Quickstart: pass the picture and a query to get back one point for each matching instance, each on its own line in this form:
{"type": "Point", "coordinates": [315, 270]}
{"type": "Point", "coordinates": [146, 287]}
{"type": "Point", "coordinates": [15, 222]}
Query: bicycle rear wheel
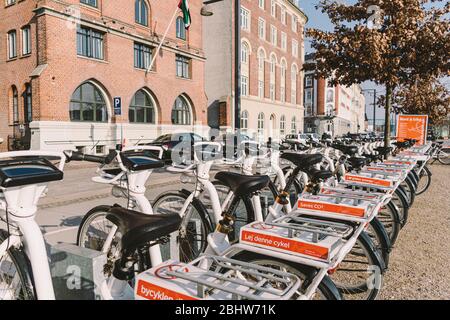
{"type": "Point", "coordinates": [16, 279]}
{"type": "Point", "coordinates": [444, 157]}
{"type": "Point", "coordinates": [424, 180]}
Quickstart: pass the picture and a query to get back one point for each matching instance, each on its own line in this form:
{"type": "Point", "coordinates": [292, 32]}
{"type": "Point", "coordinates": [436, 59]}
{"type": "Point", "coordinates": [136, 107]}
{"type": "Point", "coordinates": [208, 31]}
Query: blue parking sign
{"type": "Point", "coordinates": [117, 106]}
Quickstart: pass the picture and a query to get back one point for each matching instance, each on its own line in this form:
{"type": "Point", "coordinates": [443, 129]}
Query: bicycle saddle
{"type": "Point", "coordinates": [318, 175]}
{"type": "Point", "coordinates": [384, 151]}
{"type": "Point", "coordinates": [357, 163]}
{"type": "Point", "coordinates": [303, 161]}
{"type": "Point", "coordinates": [348, 150]}
{"type": "Point", "coordinates": [138, 228]}
{"type": "Point", "coordinates": [242, 185]}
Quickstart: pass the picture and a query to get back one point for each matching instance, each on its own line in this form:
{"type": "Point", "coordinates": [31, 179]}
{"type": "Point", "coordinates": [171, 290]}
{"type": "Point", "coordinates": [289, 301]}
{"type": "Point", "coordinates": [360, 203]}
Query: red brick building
{"type": "Point", "coordinates": [63, 63]}
{"type": "Point", "coordinates": [272, 57]}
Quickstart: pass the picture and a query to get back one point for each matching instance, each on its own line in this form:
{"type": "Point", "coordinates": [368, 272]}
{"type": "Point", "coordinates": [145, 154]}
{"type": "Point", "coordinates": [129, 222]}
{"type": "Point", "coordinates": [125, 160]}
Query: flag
{"type": "Point", "coordinates": [184, 6]}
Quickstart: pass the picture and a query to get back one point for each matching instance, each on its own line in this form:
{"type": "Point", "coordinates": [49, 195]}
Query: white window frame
{"type": "Point", "coordinates": [273, 35]}
{"type": "Point", "coordinates": [283, 15]}
{"type": "Point", "coordinates": [244, 85]}
{"type": "Point", "coordinates": [295, 48]}
{"type": "Point", "coordinates": [273, 8]}
{"type": "Point", "coordinates": [261, 89]}
{"type": "Point", "coordinates": [308, 82]}
{"type": "Point", "coordinates": [245, 16]}
{"type": "Point", "coordinates": [262, 28]}
{"type": "Point", "coordinates": [26, 40]}
{"type": "Point", "coordinates": [12, 44]}
{"type": "Point", "coordinates": [262, 4]}
{"type": "Point", "coordinates": [294, 23]}
{"type": "Point", "coordinates": [284, 41]}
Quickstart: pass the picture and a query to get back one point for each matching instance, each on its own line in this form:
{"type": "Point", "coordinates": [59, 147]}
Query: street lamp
{"type": "Point", "coordinates": [237, 54]}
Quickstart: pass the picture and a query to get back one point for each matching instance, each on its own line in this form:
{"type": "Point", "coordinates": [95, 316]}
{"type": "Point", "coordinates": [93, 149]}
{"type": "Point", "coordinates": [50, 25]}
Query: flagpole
{"type": "Point", "coordinates": [162, 41]}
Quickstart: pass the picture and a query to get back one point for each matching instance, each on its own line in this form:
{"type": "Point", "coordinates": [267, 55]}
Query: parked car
{"type": "Point", "coordinates": [297, 138]}
{"type": "Point", "coordinates": [313, 137]}
{"type": "Point", "coordinates": [232, 141]}
{"type": "Point", "coordinates": [169, 141]}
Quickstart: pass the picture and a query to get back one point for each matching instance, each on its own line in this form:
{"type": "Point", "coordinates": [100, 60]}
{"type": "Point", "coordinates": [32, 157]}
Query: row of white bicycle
{"type": "Point", "coordinates": [275, 221]}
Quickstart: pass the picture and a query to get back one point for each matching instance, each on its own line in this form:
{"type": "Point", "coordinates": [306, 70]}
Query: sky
{"type": "Point", "coordinates": [321, 21]}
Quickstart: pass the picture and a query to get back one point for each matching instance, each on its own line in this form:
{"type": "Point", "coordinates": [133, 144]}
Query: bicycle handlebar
{"type": "Point", "coordinates": [79, 156]}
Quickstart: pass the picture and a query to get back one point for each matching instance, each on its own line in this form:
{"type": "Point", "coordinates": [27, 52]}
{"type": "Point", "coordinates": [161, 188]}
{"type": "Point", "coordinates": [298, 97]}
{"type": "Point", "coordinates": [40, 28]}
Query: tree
{"type": "Point", "coordinates": [427, 96]}
{"type": "Point", "coordinates": [388, 42]}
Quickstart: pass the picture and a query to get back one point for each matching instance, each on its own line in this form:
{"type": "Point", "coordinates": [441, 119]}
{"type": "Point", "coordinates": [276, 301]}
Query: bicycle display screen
{"type": "Point", "coordinates": [22, 172]}
{"type": "Point", "coordinates": [138, 161]}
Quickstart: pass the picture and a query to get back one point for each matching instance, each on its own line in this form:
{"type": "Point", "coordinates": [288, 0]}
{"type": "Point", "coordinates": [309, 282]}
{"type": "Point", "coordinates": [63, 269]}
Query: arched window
{"type": "Point", "coordinates": [181, 29]}
{"type": "Point", "coordinates": [28, 104]}
{"type": "Point", "coordinates": [261, 124]}
{"type": "Point", "coordinates": [88, 104]}
{"type": "Point", "coordinates": [245, 52]}
{"type": "Point", "coordinates": [294, 125]}
{"type": "Point", "coordinates": [141, 12]}
{"type": "Point", "coordinates": [142, 108]}
{"type": "Point", "coordinates": [181, 112]}
{"type": "Point", "coordinates": [15, 104]}
{"type": "Point", "coordinates": [282, 125]}
{"type": "Point", "coordinates": [244, 121]}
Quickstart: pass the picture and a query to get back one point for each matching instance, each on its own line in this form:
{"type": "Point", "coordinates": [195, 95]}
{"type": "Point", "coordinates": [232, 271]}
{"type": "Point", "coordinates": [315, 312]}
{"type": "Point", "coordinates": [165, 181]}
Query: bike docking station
{"type": "Point", "coordinates": [213, 278]}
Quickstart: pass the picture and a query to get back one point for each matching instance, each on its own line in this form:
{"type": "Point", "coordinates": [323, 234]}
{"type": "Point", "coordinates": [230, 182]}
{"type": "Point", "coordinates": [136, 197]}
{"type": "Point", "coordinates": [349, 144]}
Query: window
{"type": "Point", "coordinates": [244, 53]}
{"type": "Point", "coordinates": [10, 2]}
{"type": "Point", "coordinates": [294, 71]}
{"type": "Point", "coordinates": [262, 28]}
{"type": "Point", "coordinates": [283, 125]}
{"type": "Point", "coordinates": [283, 41]}
{"type": "Point", "coordinates": [273, 8]}
{"type": "Point", "coordinates": [244, 85]}
{"type": "Point", "coordinates": [26, 40]}
{"type": "Point", "coordinates": [308, 81]}
{"type": "Point", "coordinates": [92, 3]}
{"type": "Point", "coordinates": [12, 44]}
{"type": "Point", "coordinates": [90, 43]}
{"type": "Point", "coordinates": [272, 92]}
{"type": "Point", "coordinates": [244, 121]}
{"type": "Point", "coordinates": [142, 109]}
{"type": "Point", "coordinates": [295, 48]}
{"type": "Point", "coordinates": [181, 29]}
{"type": "Point", "coordinates": [183, 65]}
{"type": "Point", "coordinates": [283, 15]}
{"type": "Point", "coordinates": [294, 125]}
{"type": "Point", "coordinates": [181, 113]}
{"type": "Point", "coordinates": [28, 104]}
{"type": "Point", "coordinates": [273, 35]}
{"type": "Point", "coordinates": [261, 89]}
{"type": "Point", "coordinates": [15, 104]}
{"type": "Point", "coordinates": [294, 23]}
{"type": "Point", "coordinates": [141, 12]}
{"type": "Point", "coordinates": [262, 4]}
{"type": "Point", "coordinates": [283, 81]}
{"type": "Point", "coordinates": [308, 96]}
{"type": "Point", "coordinates": [261, 60]}
{"type": "Point", "coordinates": [273, 68]}
{"type": "Point", "coordinates": [142, 56]}
{"type": "Point", "coordinates": [261, 124]}
{"type": "Point", "coordinates": [245, 19]}
{"type": "Point", "coordinates": [88, 104]}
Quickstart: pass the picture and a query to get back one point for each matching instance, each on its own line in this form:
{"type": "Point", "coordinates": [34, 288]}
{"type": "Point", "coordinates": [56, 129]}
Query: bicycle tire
{"type": "Point", "coordinates": [443, 155]}
{"type": "Point", "coordinates": [305, 273]}
{"type": "Point", "coordinates": [427, 174]}
{"type": "Point", "coordinates": [23, 267]}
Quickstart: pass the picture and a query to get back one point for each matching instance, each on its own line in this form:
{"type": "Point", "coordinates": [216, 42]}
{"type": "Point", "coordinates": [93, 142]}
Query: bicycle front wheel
{"type": "Point", "coordinates": [191, 239]}
{"type": "Point", "coordinates": [326, 290]}
{"type": "Point", "coordinates": [424, 181]}
{"type": "Point", "coordinates": [443, 157]}
{"type": "Point", "coordinates": [15, 274]}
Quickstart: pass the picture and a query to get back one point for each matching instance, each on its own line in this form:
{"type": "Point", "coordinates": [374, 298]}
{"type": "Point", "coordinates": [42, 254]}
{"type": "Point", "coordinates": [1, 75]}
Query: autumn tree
{"type": "Point", "coordinates": [425, 96]}
{"type": "Point", "coordinates": [389, 42]}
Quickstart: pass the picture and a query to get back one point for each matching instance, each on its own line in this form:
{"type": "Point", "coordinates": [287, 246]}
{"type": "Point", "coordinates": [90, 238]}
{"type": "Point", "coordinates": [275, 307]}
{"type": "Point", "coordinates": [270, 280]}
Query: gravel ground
{"type": "Point", "coordinates": [420, 261]}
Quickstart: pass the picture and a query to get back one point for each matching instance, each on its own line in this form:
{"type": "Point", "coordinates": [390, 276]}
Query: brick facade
{"type": "Point", "coordinates": [54, 69]}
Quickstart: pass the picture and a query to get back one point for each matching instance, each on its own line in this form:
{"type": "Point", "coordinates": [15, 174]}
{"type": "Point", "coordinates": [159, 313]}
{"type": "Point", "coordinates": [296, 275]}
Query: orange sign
{"type": "Point", "coordinates": [284, 244]}
{"type": "Point", "coordinates": [412, 127]}
{"type": "Point", "coordinates": [151, 291]}
{"type": "Point", "coordinates": [365, 180]}
{"type": "Point", "coordinates": [333, 208]}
